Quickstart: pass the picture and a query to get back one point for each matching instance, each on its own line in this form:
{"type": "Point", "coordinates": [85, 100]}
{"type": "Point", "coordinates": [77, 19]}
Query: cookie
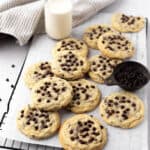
{"type": "Point", "coordinates": [122, 109]}
{"type": "Point", "coordinates": [115, 45]}
{"type": "Point", "coordinates": [86, 96]}
{"type": "Point", "coordinates": [102, 67]}
{"type": "Point", "coordinates": [51, 94]}
{"type": "Point", "coordinates": [70, 66]}
{"type": "Point", "coordinates": [71, 44]}
{"type": "Point", "coordinates": [124, 23]}
{"type": "Point", "coordinates": [82, 132]}
{"type": "Point", "coordinates": [37, 72]}
{"type": "Point", "coordinates": [92, 34]}
{"type": "Point", "coordinates": [37, 123]}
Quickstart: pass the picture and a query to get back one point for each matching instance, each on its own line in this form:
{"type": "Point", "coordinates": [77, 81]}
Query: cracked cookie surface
{"type": "Point", "coordinates": [70, 66]}
{"type": "Point", "coordinates": [71, 44]}
{"type": "Point", "coordinates": [92, 34]}
{"type": "Point", "coordinates": [114, 45]}
{"type": "Point", "coordinates": [86, 96]}
{"type": "Point", "coordinates": [82, 132]}
{"type": "Point", "coordinates": [37, 123]}
{"type": "Point", "coordinates": [102, 67]}
{"type": "Point", "coordinates": [37, 72]}
{"type": "Point", "coordinates": [122, 109]}
{"type": "Point", "coordinates": [51, 94]}
{"type": "Point", "coordinates": [125, 23]}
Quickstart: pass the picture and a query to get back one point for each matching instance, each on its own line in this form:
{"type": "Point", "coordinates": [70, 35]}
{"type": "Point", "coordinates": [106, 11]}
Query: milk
{"type": "Point", "coordinates": [58, 18]}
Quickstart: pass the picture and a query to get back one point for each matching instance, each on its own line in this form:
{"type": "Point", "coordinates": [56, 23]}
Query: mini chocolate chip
{"type": "Point", "coordinates": [38, 91]}
{"type": "Point", "coordinates": [94, 69]}
{"type": "Point", "coordinates": [138, 18]}
{"type": "Point", "coordinates": [117, 112]}
{"type": "Point", "coordinates": [71, 131]}
{"type": "Point", "coordinates": [82, 142]}
{"type": "Point", "coordinates": [48, 101]}
{"type": "Point", "coordinates": [87, 86]}
{"type": "Point", "coordinates": [104, 73]}
{"type": "Point", "coordinates": [96, 133]}
{"type": "Point", "coordinates": [43, 94]}
{"type": "Point", "coordinates": [63, 89]}
{"type": "Point", "coordinates": [34, 119]}
{"type": "Point", "coordinates": [56, 99]}
{"type": "Point", "coordinates": [109, 105]}
{"type": "Point", "coordinates": [12, 86]}
{"type": "Point", "coordinates": [21, 115]}
{"type": "Point", "coordinates": [47, 120]}
{"type": "Point", "coordinates": [91, 140]}
{"type": "Point", "coordinates": [102, 127]}
{"type": "Point", "coordinates": [28, 116]}
{"type": "Point", "coordinates": [84, 130]}
{"type": "Point", "coordinates": [92, 86]}
{"type": "Point", "coordinates": [123, 97]}
{"type": "Point", "coordinates": [122, 107]}
{"type": "Point", "coordinates": [89, 121]}
{"type": "Point", "coordinates": [45, 126]}
{"type": "Point", "coordinates": [72, 138]}
{"type": "Point", "coordinates": [122, 101]}
{"type": "Point", "coordinates": [39, 100]}
{"type": "Point", "coordinates": [116, 97]}
{"type": "Point", "coordinates": [94, 129]}
{"type": "Point", "coordinates": [13, 66]}
{"type": "Point", "coordinates": [36, 114]}
{"type": "Point", "coordinates": [93, 63]}
{"type": "Point", "coordinates": [79, 123]}
{"type": "Point", "coordinates": [85, 135]}
{"type": "Point", "coordinates": [78, 103]}
{"type": "Point", "coordinates": [128, 101]}
{"type": "Point", "coordinates": [87, 96]}
{"type": "Point", "coordinates": [28, 123]}
{"type": "Point", "coordinates": [115, 103]}
{"type": "Point", "coordinates": [133, 105]}
{"type": "Point", "coordinates": [22, 111]}
{"type": "Point", "coordinates": [124, 117]}
{"type": "Point", "coordinates": [110, 101]}
{"type": "Point", "coordinates": [79, 84]}
{"type": "Point", "coordinates": [36, 127]}
{"type": "Point", "coordinates": [7, 79]}
{"type": "Point", "coordinates": [81, 43]}
{"type": "Point", "coordinates": [89, 125]}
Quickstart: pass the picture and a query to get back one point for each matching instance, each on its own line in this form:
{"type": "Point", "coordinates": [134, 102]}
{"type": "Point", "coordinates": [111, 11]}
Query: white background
{"type": "Point", "coordinates": [140, 7]}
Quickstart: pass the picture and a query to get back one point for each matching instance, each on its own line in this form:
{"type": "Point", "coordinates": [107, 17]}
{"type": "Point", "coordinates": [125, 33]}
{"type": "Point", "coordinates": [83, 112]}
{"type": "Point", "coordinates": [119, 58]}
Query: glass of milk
{"type": "Point", "coordinates": [58, 18]}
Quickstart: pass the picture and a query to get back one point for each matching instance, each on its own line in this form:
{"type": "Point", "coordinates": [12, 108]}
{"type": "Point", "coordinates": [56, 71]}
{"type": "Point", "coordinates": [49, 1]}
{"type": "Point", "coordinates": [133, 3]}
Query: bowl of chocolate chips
{"type": "Point", "coordinates": [129, 75]}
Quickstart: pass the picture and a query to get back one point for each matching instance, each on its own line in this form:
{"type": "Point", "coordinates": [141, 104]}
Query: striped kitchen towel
{"type": "Point", "coordinates": [24, 18]}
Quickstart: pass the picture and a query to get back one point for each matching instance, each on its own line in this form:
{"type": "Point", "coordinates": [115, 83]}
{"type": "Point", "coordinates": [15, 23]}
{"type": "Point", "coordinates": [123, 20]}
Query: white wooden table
{"type": "Point", "coordinates": [9, 49]}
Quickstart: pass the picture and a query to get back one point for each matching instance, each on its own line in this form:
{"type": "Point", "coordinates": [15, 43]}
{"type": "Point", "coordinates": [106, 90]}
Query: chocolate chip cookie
{"type": "Point", "coordinates": [115, 45]}
{"type": "Point", "coordinates": [51, 94]}
{"type": "Point", "coordinates": [71, 44]}
{"type": "Point", "coordinates": [102, 67]}
{"type": "Point", "coordinates": [82, 132]}
{"type": "Point", "coordinates": [70, 66]}
{"type": "Point", "coordinates": [125, 23]}
{"type": "Point", "coordinates": [122, 109]}
{"type": "Point", "coordinates": [37, 72]}
{"type": "Point", "coordinates": [37, 123]}
{"type": "Point", "coordinates": [86, 96]}
{"type": "Point", "coordinates": [92, 34]}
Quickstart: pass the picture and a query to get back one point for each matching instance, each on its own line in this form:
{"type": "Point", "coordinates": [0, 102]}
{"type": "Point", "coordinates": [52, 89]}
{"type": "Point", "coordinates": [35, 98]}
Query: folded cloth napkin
{"type": "Point", "coordinates": [24, 18]}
